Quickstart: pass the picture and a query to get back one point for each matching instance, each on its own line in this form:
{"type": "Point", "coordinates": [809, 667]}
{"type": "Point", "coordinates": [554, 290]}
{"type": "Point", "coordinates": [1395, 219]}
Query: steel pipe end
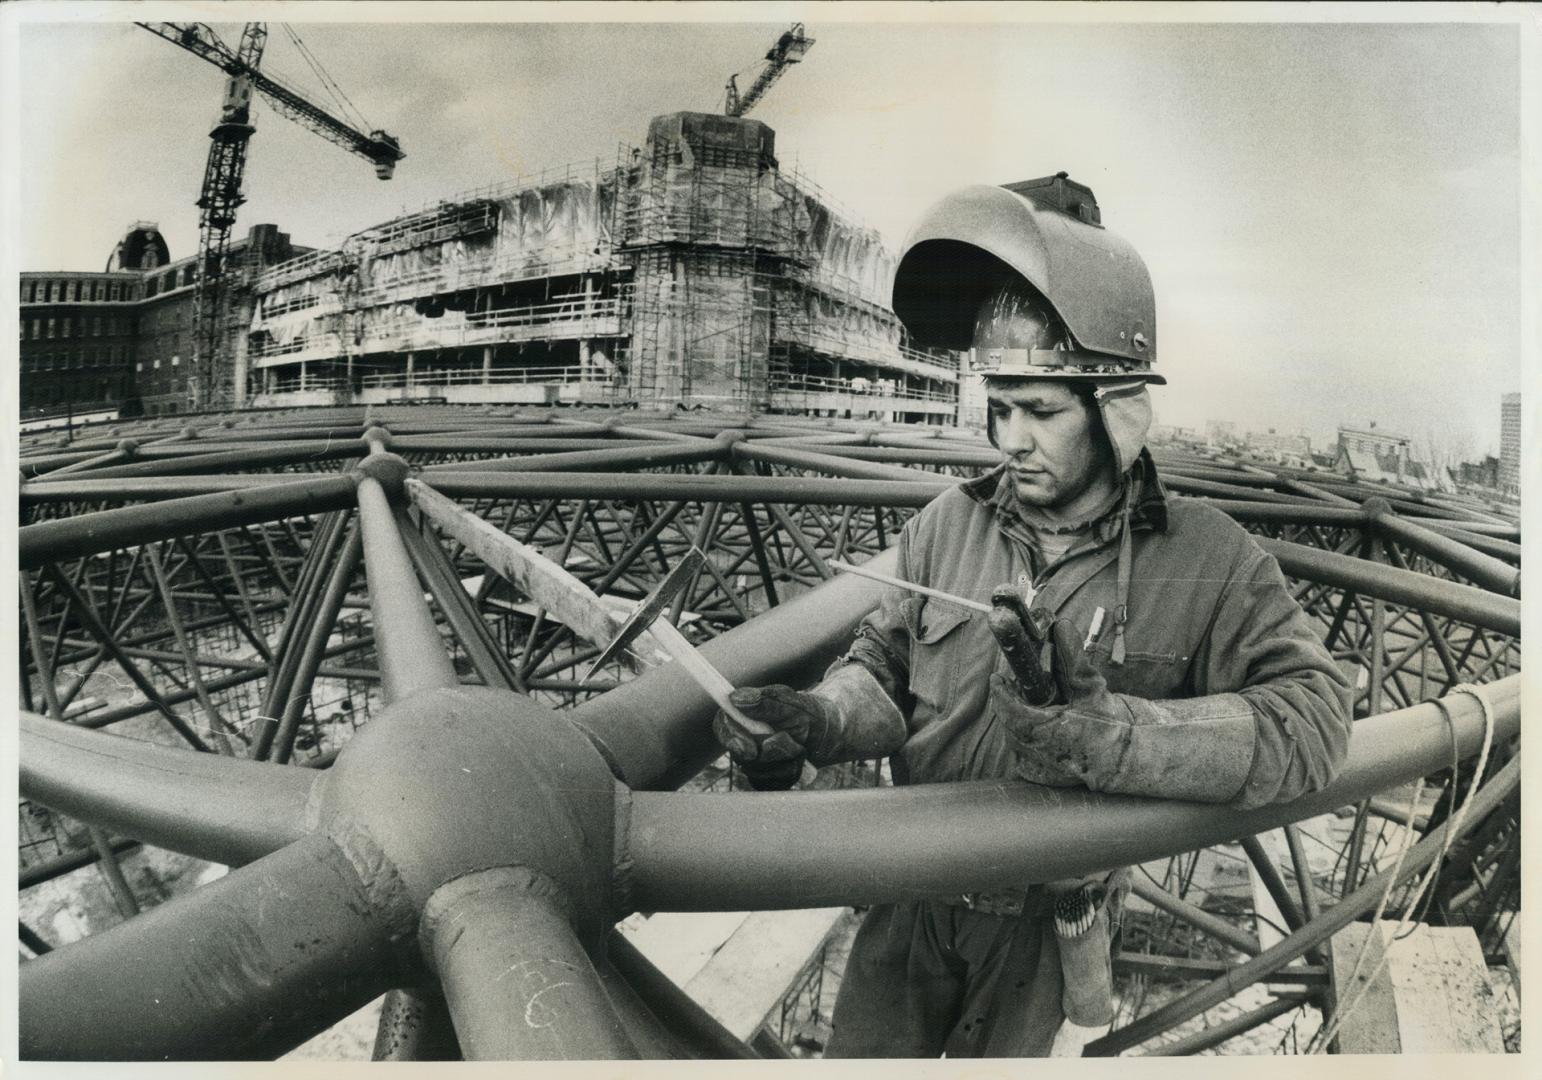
{"type": "Point", "coordinates": [727, 439]}
{"type": "Point", "coordinates": [127, 446]}
{"type": "Point", "coordinates": [1377, 506]}
{"type": "Point", "coordinates": [450, 781]}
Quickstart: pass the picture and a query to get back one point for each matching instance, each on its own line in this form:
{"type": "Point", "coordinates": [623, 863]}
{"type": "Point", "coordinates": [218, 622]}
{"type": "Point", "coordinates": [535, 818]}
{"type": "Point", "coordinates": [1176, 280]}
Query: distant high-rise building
{"type": "Point", "coordinates": [1510, 443]}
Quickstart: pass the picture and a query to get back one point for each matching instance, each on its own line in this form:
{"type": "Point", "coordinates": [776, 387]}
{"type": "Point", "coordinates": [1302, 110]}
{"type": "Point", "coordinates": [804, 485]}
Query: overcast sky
{"type": "Point", "coordinates": [1330, 213]}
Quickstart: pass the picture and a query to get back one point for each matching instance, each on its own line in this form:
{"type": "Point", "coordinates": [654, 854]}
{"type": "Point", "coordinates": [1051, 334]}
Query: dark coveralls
{"type": "Point", "coordinates": [1208, 617]}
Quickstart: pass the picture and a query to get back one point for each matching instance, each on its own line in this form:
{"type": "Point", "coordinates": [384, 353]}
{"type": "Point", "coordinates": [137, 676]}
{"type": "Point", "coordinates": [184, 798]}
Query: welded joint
{"type": "Point", "coordinates": [621, 863]}
{"type": "Point", "coordinates": [388, 470]}
{"type": "Point", "coordinates": [440, 927]}
{"type": "Point", "coordinates": [378, 438]}
{"type": "Point", "coordinates": [379, 882]}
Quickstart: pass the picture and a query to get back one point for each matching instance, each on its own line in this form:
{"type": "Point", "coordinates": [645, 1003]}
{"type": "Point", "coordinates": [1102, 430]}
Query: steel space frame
{"type": "Point", "coordinates": [328, 690]}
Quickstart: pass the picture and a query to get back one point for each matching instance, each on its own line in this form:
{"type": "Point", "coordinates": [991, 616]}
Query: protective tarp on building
{"type": "Point", "coordinates": [379, 276]}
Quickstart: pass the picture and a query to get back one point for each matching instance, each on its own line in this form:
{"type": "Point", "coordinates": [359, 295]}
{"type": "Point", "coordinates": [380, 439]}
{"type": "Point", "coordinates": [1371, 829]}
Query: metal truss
{"type": "Point", "coordinates": [320, 672]}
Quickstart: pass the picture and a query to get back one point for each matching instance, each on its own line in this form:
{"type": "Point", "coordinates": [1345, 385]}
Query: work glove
{"type": "Point", "coordinates": [1199, 749]}
{"type": "Point", "coordinates": [847, 717]}
{"type": "Point", "coordinates": [773, 761]}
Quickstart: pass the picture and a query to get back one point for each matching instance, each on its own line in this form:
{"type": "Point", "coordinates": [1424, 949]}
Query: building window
{"type": "Point", "coordinates": [75, 290]}
{"type": "Point", "coordinates": [50, 324]}
{"type": "Point", "coordinates": [29, 291]}
{"type": "Point", "coordinates": [176, 361]}
{"type": "Point", "coordinates": [157, 363]}
{"type": "Point", "coordinates": [112, 290]}
{"type": "Point", "coordinates": [139, 366]}
{"type": "Point", "coordinates": [64, 326]}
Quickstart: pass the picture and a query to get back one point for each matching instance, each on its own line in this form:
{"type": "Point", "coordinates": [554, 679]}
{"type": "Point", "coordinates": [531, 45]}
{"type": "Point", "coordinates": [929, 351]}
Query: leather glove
{"type": "Point", "coordinates": [847, 717]}
{"type": "Point", "coordinates": [1198, 748]}
{"type": "Point", "coordinates": [774, 761]}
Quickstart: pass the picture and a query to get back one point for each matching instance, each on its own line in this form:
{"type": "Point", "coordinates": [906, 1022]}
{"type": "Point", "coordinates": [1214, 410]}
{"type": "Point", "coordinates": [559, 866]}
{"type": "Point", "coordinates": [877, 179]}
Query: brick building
{"type": "Point", "coordinates": [77, 340]}
{"type": "Point", "coordinates": [122, 338]}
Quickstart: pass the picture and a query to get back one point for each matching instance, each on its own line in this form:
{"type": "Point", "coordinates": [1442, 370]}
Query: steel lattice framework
{"type": "Point", "coordinates": [347, 686]}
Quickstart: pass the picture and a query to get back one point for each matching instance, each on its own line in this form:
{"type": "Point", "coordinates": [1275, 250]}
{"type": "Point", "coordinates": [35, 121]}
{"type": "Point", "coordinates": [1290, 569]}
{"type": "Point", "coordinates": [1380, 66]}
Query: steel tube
{"type": "Point", "coordinates": [1314, 933]}
{"type": "Point", "coordinates": [1271, 879]}
{"type": "Point", "coordinates": [150, 488]}
{"type": "Point", "coordinates": [669, 487]}
{"type": "Point", "coordinates": [1438, 597]}
{"type": "Point", "coordinates": [826, 463]}
{"type": "Point", "coordinates": [642, 456]}
{"type": "Point", "coordinates": [1195, 916]}
{"type": "Point", "coordinates": [93, 624]}
{"type": "Point", "coordinates": [942, 457]}
{"type": "Point", "coordinates": [491, 444]}
{"type": "Point", "coordinates": [487, 658]}
{"type": "Point", "coordinates": [655, 731]}
{"type": "Point", "coordinates": [297, 691]}
{"type": "Point", "coordinates": [1506, 550]}
{"type": "Point", "coordinates": [245, 967]}
{"type": "Point", "coordinates": [1271, 513]}
{"type": "Point", "coordinates": [47, 869]}
{"type": "Point", "coordinates": [1228, 1029]}
{"type": "Point", "coordinates": [415, 1025]}
{"type": "Point", "coordinates": [88, 534]}
{"type": "Point", "coordinates": [1190, 486]}
{"type": "Point", "coordinates": [176, 461]}
{"type": "Point", "coordinates": [411, 652]}
{"type": "Point", "coordinates": [1485, 570]}
{"type": "Point", "coordinates": [817, 849]}
{"type": "Point", "coordinates": [227, 810]}
{"type": "Point", "coordinates": [680, 1013]}
{"type": "Point", "coordinates": [519, 985]}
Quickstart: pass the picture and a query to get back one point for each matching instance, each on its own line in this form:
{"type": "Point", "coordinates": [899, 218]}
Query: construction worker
{"type": "Point", "coordinates": [1184, 668]}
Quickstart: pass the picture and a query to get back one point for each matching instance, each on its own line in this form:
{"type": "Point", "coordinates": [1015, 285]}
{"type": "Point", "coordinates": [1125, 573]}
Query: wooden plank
{"type": "Point", "coordinates": [680, 944]}
{"type": "Point", "coordinates": [754, 969]}
{"type": "Point", "coordinates": [1445, 1003]}
{"type": "Point", "coordinates": [1370, 1027]}
{"type": "Point", "coordinates": [1432, 997]}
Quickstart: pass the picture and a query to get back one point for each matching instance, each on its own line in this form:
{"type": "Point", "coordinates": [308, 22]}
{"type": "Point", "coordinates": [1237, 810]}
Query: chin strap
{"type": "Point", "coordinates": [1126, 554]}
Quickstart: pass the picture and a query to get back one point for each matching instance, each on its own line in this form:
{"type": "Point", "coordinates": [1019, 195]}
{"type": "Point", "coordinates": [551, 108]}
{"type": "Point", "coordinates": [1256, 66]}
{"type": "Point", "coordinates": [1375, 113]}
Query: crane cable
{"type": "Point", "coordinates": [340, 99]}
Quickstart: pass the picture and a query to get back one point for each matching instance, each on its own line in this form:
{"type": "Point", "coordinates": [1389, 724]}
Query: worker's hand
{"type": "Point", "coordinates": [1078, 741]}
{"type": "Point", "coordinates": [773, 761]}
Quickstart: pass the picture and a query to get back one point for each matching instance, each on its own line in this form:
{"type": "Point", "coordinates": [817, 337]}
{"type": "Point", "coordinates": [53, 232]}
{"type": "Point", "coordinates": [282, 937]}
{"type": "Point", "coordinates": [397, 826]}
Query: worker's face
{"type": "Point", "coordinates": [1052, 441]}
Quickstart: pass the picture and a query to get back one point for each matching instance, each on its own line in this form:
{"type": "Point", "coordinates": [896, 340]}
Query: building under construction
{"type": "Point", "coordinates": [690, 272]}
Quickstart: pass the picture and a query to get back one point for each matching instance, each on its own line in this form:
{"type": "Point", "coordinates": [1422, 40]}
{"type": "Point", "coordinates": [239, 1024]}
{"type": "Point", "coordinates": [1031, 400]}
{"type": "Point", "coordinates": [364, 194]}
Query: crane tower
{"type": "Point", "coordinates": [221, 194]}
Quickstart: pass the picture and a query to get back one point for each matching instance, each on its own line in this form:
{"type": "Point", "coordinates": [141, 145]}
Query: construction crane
{"type": "Point", "coordinates": [789, 49]}
{"type": "Point", "coordinates": [221, 192]}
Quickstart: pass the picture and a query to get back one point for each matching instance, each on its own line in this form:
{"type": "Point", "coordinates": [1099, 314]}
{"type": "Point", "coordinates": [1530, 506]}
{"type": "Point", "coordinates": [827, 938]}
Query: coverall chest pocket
{"type": "Point", "coordinates": [1147, 673]}
{"type": "Point", "coordinates": [936, 650]}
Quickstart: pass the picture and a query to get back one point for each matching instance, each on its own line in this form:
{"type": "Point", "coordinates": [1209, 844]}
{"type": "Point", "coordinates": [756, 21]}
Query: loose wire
{"type": "Point", "coordinates": [1329, 1030]}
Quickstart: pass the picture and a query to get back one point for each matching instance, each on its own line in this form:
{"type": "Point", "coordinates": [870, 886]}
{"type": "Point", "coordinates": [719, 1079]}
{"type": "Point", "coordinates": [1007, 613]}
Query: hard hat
{"type": "Point", "coordinates": [1030, 261]}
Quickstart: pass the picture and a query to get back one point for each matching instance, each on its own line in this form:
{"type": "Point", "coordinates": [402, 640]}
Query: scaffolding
{"type": "Point", "coordinates": [690, 272]}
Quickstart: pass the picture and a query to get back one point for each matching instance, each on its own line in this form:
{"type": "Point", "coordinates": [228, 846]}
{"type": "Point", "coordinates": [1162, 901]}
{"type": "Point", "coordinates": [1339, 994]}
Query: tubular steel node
{"type": "Point", "coordinates": [341, 651]}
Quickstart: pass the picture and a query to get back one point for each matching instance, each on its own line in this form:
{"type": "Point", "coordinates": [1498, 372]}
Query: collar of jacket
{"type": "Point", "coordinates": [1149, 495]}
